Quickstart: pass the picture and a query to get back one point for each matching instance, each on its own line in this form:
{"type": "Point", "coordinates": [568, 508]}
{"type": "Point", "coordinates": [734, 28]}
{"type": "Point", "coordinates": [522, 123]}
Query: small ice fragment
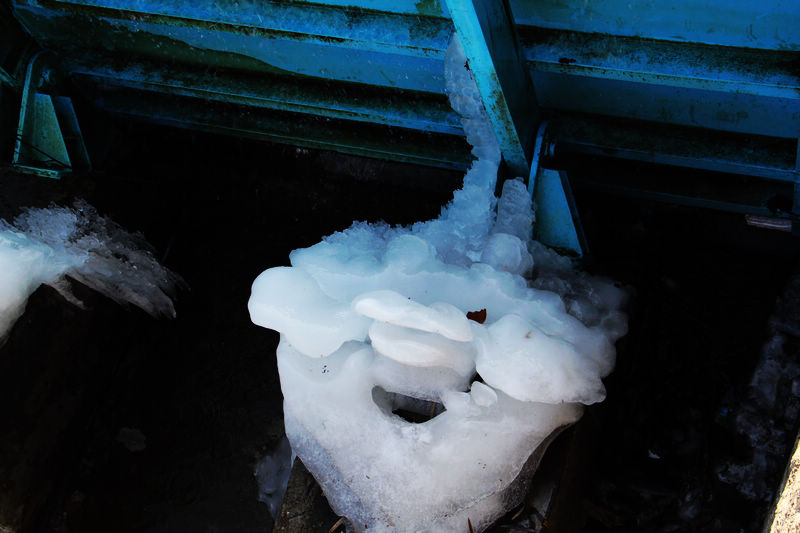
{"type": "Point", "coordinates": [272, 474]}
{"type": "Point", "coordinates": [483, 395]}
{"type": "Point", "coordinates": [515, 211]}
{"type": "Point", "coordinates": [507, 253]}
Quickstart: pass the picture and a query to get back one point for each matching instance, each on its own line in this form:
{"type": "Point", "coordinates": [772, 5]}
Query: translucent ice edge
{"type": "Point", "coordinates": [377, 310]}
{"type": "Point", "coordinates": [272, 474]}
{"type": "Point", "coordinates": [42, 246]}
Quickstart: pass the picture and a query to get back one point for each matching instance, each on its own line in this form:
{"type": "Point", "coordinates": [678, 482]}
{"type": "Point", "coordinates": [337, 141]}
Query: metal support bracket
{"type": "Point", "coordinates": [49, 141]}
{"type": "Point", "coordinates": [487, 33]}
{"type": "Point", "coordinates": [557, 222]}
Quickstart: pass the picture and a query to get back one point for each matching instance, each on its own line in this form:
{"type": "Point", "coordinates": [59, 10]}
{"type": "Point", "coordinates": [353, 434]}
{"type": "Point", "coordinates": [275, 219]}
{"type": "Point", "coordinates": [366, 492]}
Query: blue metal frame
{"type": "Point", "coordinates": [366, 76]}
{"type": "Point", "coordinates": [49, 141]}
{"type": "Point", "coordinates": [487, 33]}
{"type": "Point", "coordinates": [765, 24]}
{"type": "Point", "coordinates": [557, 222]}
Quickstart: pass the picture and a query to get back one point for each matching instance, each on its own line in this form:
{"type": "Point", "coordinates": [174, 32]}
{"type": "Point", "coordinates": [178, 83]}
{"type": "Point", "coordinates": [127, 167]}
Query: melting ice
{"type": "Point", "coordinates": [375, 317]}
{"type": "Point", "coordinates": [45, 245]}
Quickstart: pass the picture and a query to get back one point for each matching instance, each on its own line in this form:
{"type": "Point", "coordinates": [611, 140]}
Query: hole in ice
{"type": "Point", "coordinates": [410, 409]}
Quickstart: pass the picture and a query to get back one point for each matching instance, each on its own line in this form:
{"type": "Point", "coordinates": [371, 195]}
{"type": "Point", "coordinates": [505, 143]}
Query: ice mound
{"type": "Point", "coordinates": [45, 245]}
{"type": "Point", "coordinates": [376, 319]}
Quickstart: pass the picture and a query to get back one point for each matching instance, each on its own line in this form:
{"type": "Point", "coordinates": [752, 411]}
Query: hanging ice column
{"type": "Point", "coordinates": [375, 318]}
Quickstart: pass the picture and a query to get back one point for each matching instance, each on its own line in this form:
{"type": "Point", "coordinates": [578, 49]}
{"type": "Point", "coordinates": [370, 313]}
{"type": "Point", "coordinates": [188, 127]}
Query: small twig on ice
{"type": "Point", "coordinates": [335, 526]}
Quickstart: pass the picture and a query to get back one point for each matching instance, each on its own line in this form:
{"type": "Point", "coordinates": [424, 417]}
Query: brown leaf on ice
{"type": "Point", "coordinates": [477, 316]}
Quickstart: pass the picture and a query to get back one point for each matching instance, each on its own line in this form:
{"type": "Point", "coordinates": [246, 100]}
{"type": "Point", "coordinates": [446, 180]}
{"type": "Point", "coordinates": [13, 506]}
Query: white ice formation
{"type": "Point", "coordinates": [43, 246]}
{"type": "Point", "coordinates": [374, 319]}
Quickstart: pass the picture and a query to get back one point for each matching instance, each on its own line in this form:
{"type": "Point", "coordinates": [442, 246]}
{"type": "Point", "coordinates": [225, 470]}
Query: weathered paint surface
{"type": "Point", "coordinates": [488, 36]}
{"type": "Point", "coordinates": [363, 139]}
{"type": "Point", "coordinates": [742, 70]}
{"type": "Point", "coordinates": [358, 57]}
{"type": "Point", "coordinates": [380, 61]}
{"type": "Point", "coordinates": [404, 52]}
{"type": "Point", "coordinates": [764, 157]}
{"type": "Point", "coordinates": [363, 29]}
{"type": "Point", "coordinates": [425, 113]}
{"type": "Point", "coordinates": [766, 24]}
{"type": "Point", "coordinates": [726, 111]}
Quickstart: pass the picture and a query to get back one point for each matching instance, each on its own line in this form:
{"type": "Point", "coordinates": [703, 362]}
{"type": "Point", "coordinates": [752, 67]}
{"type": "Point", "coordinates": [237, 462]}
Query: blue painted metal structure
{"type": "Point", "coordinates": [488, 35]}
{"type": "Point", "coordinates": [48, 141]}
{"type": "Point", "coordinates": [710, 84]}
{"type": "Point", "coordinates": [557, 221]}
{"type": "Point", "coordinates": [16, 47]}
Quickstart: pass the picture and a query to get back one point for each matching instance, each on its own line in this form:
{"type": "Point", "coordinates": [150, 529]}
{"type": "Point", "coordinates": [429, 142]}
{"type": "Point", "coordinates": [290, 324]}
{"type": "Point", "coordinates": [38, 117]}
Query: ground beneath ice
{"type": "Point", "coordinates": [111, 421]}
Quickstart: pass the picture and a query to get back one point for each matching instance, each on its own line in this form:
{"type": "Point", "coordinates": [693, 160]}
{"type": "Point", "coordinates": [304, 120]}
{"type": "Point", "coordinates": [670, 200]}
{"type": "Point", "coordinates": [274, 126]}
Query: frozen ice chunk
{"type": "Point", "coordinates": [424, 383]}
{"type": "Point", "coordinates": [389, 306]}
{"type": "Point", "coordinates": [466, 101]}
{"type": "Point", "coordinates": [312, 322]}
{"type": "Point", "coordinates": [525, 363]}
{"type": "Point", "coordinates": [515, 211]}
{"type": "Point", "coordinates": [419, 348]}
{"type": "Point", "coordinates": [24, 265]}
{"type": "Point", "coordinates": [409, 253]}
{"type": "Point", "coordinates": [482, 395]}
{"type": "Point", "coordinates": [45, 245]}
{"type": "Point", "coordinates": [595, 301]}
{"type": "Point", "coordinates": [272, 473]}
{"type": "Point", "coordinates": [507, 252]}
{"type": "Point", "coordinates": [387, 474]}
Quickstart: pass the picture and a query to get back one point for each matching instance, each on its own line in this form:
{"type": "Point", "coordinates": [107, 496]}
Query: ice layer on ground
{"type": "Point", "coordinates": [377, 314]}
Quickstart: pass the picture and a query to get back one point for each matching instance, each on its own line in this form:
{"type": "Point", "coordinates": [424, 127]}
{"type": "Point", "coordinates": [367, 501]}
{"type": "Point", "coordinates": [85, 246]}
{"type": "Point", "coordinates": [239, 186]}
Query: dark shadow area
{"type": "Point", "coordinates": [79, 387]}
{"type": "Point", "coordinates": [704, 287]}
{"type": "Point", "coordinates": [202, 389]}
{"type": "Point", "coordinates": [410, 409]}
